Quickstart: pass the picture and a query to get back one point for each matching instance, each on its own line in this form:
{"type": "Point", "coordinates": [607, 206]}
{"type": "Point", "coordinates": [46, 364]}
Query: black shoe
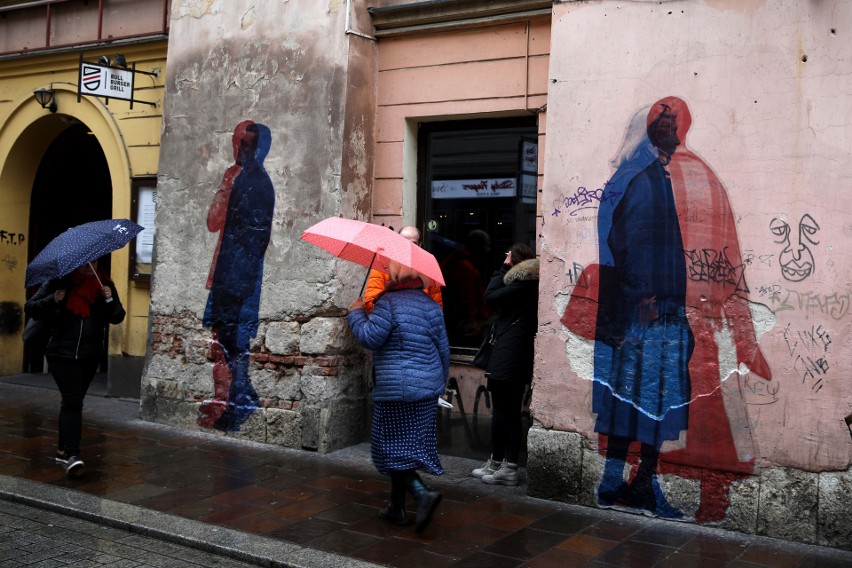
{"type": "Point", "coordinates": [75, 467]}
{"type": "Point", "coordinates": [61, 458]}
{"type": "Point", "coordinates": [396, 515]}
{"type": "Point", "coordinates": [426, 505]}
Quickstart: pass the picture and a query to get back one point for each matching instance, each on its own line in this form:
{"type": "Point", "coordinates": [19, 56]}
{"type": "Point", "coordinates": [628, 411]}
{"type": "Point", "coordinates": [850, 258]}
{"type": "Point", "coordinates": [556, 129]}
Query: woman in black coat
{"type": "Point", "coordinates": [513, 294]}
{"type": "Point", "coordinates": [77, 309]}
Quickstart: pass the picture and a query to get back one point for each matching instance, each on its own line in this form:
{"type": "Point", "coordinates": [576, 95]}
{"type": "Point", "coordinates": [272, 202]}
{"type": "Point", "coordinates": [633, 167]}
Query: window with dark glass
{"type": "Point", "coordinates": [477, 197]}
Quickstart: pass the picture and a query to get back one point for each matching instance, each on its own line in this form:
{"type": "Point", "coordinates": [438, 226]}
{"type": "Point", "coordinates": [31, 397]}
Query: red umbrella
{"type": "Point", "coordinates": [371, 246]}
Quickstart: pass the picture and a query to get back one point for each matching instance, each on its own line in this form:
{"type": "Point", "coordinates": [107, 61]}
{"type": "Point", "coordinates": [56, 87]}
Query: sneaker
{"type": "Point", "coordinates": [61, 458]}
{"type": "Point", "coordinates": [487, 468]}
{"type": "Point", "coordinates": [506, 475]}
{"type": "Point", "coordinates": [75, 467]}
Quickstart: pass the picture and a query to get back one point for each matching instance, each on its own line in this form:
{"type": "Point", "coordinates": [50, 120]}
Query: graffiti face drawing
{"type": "Point", "coordinates": [796, 260]}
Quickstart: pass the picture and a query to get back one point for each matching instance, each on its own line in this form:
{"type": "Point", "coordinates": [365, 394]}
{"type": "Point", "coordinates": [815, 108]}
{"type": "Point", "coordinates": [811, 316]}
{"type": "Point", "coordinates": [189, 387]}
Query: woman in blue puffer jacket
{"type": "Point", "coordinates": [411, 358]}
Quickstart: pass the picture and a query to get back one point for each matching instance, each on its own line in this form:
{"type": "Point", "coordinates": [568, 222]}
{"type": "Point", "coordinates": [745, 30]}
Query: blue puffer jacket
{"type": "Point", "coordinates": [411, 353]}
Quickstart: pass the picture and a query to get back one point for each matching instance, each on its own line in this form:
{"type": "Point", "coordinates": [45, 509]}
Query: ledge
{"type": "Point", "coordinates": [440, 15]}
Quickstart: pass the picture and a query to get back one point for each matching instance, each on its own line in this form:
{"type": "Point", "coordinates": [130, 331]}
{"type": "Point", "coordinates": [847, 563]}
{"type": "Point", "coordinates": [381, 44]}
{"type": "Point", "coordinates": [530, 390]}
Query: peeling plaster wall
{"type": "Point", "coordinates": [768, 86]}
{"type": "Point", "coordinates": [289, 66]}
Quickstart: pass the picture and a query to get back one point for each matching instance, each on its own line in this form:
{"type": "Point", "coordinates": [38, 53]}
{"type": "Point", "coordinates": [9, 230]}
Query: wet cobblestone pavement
{"type": "Point", "coordinates": [329, 504]}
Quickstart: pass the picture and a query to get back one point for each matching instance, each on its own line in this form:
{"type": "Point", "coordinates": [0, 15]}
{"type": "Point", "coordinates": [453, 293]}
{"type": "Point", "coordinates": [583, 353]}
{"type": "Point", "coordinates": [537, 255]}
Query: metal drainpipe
{"type": "Point", "coordinates": [350, 31]}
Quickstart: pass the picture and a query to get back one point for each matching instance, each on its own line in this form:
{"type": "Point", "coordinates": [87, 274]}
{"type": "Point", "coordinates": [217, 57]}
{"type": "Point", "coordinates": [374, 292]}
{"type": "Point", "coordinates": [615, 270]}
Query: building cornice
{"type": "Point", "coordinates": [440, 15]}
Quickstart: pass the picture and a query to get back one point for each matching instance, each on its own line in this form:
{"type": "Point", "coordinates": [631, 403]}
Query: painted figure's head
{"type": "Point", "coordinates": [248, 145]}
{"type": "Point", "coordinates": [662, 130]}
{"type": "Point", "coordinates": [240, 133]}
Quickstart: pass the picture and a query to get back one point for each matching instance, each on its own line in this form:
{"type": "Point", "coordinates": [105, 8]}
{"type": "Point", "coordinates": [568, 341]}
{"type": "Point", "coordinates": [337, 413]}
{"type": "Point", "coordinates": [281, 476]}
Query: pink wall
{"type": "Point", "coordinates": [491, 71]}
{"type": "Point", "coordinates": [760, 186]}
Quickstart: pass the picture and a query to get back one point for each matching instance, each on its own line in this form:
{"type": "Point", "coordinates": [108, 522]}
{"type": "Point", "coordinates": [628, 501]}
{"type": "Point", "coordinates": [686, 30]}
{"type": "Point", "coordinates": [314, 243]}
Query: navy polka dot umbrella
{"type": "Point", "coordinates": [79, 245]}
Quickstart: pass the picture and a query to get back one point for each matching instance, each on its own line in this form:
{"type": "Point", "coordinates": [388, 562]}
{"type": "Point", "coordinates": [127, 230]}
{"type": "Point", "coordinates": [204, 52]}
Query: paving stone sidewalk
{"type": "Point", "coordinates": [277, 507]}
{"type": "Point", "coordinates": [37, 538]}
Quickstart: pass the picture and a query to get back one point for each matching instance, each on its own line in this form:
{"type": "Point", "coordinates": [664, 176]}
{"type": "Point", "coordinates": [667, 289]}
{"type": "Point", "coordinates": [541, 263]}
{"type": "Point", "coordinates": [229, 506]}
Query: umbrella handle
{"type": "Point", "coordinates": [95, 272]}
{"type": "Point", "coordinates": [369, 269]}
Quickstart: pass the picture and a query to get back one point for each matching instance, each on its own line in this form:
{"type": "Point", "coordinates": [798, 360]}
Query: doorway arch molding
{"type": "Point", "coordinates": [24, 137]}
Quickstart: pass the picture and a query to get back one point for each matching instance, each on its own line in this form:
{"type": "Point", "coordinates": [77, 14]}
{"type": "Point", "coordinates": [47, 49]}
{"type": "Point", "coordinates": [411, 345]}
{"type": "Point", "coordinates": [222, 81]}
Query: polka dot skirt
{"type": "Point", "coordinates": [405, 436]}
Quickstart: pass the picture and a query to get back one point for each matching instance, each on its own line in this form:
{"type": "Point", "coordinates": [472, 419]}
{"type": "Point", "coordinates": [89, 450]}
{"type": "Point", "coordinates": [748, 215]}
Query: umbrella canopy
{"type": "Point", "coordinates": [79, 245]}
{"type": "Point", "coordinates": [371, 245]}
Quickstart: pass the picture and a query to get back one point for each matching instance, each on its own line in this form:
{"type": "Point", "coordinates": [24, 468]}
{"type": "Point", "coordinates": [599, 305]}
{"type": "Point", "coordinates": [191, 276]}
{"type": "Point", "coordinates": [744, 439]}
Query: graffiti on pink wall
{"type": "Point", "coordinates": [670, 277]}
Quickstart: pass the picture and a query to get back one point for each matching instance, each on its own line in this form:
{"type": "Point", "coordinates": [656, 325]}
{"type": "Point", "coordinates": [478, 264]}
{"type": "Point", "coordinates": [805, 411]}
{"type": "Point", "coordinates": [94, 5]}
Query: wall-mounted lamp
{"type": "Point", "coordinates": [46, 98]}
{"type": "Point", "coordinates": [120, 60]}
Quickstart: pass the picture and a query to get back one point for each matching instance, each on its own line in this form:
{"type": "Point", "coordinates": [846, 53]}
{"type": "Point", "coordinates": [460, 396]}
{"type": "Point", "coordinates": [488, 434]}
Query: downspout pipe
{"type": "Point", "coordinates": [349, 30]}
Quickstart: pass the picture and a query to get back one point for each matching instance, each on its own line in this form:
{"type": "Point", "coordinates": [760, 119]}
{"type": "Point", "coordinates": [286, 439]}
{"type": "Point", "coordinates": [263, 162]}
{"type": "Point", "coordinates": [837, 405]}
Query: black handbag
{"type": "Point", "coordinates": [35, 330]}
{"type": "Point", "coordinates": [483, 355]}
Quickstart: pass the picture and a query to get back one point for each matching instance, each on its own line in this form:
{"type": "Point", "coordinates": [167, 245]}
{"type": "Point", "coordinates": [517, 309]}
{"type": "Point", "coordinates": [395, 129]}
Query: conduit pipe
{"type": "Point", "coordinates": [349, 30]}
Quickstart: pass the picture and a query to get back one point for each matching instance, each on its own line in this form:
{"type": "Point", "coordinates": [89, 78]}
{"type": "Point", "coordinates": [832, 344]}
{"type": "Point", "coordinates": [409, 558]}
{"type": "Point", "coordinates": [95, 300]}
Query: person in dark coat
{"type": "Point", "coordinates": [513, 294]}
{"type": "Point", "coordinates": [411, 361]}
{"type": "Point", "coordinates": [78, 310]}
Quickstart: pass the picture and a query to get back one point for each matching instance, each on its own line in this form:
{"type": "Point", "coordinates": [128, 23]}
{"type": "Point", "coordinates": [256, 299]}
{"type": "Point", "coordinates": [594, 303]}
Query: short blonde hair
{"type": "Point", "coordinates": [399, 272]}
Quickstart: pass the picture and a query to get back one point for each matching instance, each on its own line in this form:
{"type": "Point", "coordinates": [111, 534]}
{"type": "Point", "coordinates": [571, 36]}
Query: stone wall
{"type": "Point", "coordinates": [260, 95]}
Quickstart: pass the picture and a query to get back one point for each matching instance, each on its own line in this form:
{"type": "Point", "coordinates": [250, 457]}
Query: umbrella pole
{"type": "Point", "coordinates": [369, 269]}
{"type": "Point", "coordinates": [95, 272]}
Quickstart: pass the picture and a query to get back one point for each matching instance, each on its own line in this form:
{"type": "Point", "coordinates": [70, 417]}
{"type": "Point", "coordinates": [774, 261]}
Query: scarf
{"type": "Point", "coordinates": [84, 291]}
{"type": "Point", "coordinates": [404, 284]}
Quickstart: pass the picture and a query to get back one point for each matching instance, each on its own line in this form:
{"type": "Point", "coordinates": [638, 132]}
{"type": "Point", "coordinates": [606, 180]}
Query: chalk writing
{"type": "Point", "coordinates": [760, 392]}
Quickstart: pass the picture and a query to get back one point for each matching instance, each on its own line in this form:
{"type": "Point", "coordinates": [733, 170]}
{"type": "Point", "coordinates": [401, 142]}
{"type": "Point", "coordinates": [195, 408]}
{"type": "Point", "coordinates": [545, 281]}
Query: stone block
{"type": "Point", "coordinates": [310, 427]}
{"type": "Point", "coordinates": [344, 423]}
{"type": "Point", "coordinates": [254, 428]}
{"type": "Point", "coordinates": [593, 466]}
{"type": "Point", "coordinates": [283, 338]}
{"type": "Point", "coordinates": [324, 336]}
{"type": "Point", "coordinates": [284, 428]}
{"type": "Point", "coordinates": [281, 384]}
{"type": "Point", "coordinates": [554, 464]}
{"type": "Point", "coordinates": [320, 390]}
{"type": "Point", "coordinates": [788, 504]}
{"type": "Point", "coordinates": [743, 511]}
{"type": "Point", "coordinates": [834, 518]}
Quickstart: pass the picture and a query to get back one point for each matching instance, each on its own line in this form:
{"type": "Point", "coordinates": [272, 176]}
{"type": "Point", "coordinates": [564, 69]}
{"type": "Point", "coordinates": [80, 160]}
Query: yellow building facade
{"type": "Point", "coordinates": [79, 161]}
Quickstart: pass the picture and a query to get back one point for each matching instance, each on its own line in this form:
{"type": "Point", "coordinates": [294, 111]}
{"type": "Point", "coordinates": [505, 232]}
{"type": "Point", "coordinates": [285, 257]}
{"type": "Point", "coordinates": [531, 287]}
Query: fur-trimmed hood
{"type": "Point", "coordinates": [526, 270]}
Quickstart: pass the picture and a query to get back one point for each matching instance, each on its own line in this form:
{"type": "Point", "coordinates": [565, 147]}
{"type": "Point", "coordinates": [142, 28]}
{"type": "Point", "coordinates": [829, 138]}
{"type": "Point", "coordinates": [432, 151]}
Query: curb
{"type": "Point", "coordinates": [213, 539]}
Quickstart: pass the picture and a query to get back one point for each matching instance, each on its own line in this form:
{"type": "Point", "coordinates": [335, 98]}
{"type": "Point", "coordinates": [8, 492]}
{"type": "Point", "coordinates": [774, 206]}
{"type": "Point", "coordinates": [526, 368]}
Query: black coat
{"type": "Point", "coordinates": [70, 335]}
{"type": "Point", "coordinates": [513, 293]}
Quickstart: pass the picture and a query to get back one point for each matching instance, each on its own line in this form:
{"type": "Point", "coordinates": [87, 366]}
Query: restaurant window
{"type": "Point", "coordinates": [476, 197]}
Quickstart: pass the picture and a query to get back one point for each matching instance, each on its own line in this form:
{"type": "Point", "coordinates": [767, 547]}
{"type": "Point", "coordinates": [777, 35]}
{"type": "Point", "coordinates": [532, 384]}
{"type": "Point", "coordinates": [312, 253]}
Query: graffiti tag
{"type": "Point", "coordinates": [807, 349]}
{"type": "Point", "coordinates": [835, 306]}
{"type": "Point", "coordinates": [581, 200]}
{"type": "Point", "coordinates": [10, 262]}
{"type": "Point", "coordinates": [708, 265]}
{"type": "Point", "coordinates": [11, 238]}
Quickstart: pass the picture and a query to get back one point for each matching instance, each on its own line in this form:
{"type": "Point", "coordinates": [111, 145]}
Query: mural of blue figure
{"type": "Point", "coordinates": [643, 340]}
{"type": "Point", "coordinates": [236, 277]}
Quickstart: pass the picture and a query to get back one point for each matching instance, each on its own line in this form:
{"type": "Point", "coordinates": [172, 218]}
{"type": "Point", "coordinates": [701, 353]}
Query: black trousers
{"type": "Point", "coordinates": [72, 377]}
{"type": "Point", "coordinates": [506, 428]}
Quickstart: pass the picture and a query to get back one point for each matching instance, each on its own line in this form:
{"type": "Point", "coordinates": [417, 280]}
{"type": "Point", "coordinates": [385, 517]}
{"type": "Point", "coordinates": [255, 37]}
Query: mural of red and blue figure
{"type": "Point", "coordinates": [668, 280]}
{"type": "Point", "coordinates": [241, 212]}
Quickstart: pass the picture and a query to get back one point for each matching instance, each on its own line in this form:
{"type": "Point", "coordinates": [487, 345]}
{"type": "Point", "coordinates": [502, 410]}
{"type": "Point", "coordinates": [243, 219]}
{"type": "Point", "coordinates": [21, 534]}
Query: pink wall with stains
{"type": "Point", "coordinates": [759, 174]}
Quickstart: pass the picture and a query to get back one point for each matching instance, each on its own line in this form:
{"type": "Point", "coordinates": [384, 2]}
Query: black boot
{"type": "Point", "coordinates": [395, 511]}
{"type": "Point", "coordinates": [427, 501]}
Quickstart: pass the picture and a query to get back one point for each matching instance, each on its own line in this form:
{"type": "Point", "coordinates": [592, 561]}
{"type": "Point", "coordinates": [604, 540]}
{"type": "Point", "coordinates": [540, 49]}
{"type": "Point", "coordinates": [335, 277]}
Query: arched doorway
{"type": "Point", "coordinates": [72, 186]}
